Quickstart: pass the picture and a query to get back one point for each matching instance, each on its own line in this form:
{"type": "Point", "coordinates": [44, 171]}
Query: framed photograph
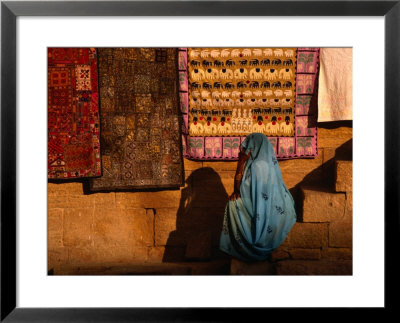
{"type": "Point", "coordinates": [90, 73]}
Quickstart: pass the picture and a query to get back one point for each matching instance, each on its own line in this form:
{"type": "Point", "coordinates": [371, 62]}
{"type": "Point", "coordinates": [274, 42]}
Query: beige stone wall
{"type": "Point", "coordinates": [140, 227]}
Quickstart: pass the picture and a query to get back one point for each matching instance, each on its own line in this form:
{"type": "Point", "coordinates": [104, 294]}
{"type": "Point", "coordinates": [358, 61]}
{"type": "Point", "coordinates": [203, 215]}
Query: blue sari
{"type": "Point", "coordinates": [259, 221]}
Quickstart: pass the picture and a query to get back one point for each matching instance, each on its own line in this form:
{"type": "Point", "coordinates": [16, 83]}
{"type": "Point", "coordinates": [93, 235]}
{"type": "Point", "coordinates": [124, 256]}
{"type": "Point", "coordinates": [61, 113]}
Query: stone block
{"type": "Point", "coordinates": [164, 226]}
{"type": "Point", "coordinates": [314, 267]}
{"type": "Point", "coordinates": [56, 257]}
{"type": "Point", "coordinates": [322, 206]}
{"type": "Point", "coordinates": [334, 138]}
{"type": "Point", "coordinates": [64, 189]}
{"type": "Point", "coordinates": [328, 154]}
{"type": "Point", "coordinates": [167, 254]}
{"type": "Point", "coordinates": [301, 253]}
{"type": "Point", "coordinates": [114, 228]}
{"type": "Point", "coordinates": [343, 176]}
{"type": "Point", "coordinates": [211, 189]}
{"type": "Point", "coordinates": [198, 246]}
{"type": "Point", "coordinates": [300, 165]}
{"type": "Point", "coordinates": [307, 235]}
{"type": "Point", "coordinates": [256, 268]}
{"type": "Point", "coordinates": [279, 254]}
{"type": "Point", "coordinates": [78, 227]}
{"type": "Point", "coordinates": [55, 221]}
{"type": "Point", "coordinates": [217, 267]}
{"type": "Point", "coordinates": [340, 234]}
{"type": "Point", "coordinates": [139, 268]}
{"type": "Point", "coordinates": [104, 200]}
{"type": "Point", "coordinates": [96, 256]}
{"type": "Point", "coordinates": [75, 201]}
{"type": "Point", "coordinates": [337, 253]}
{"type": "Point", "coordinates": [191, 164]}
{"type": "Point", "coordinates": [221, 165]}
{"type": "Point", "coordinates": [348, 210]}
{"type": "Point", "coordinates": [165, 198]}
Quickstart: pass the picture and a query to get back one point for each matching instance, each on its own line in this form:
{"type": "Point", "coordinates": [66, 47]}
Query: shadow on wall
{"type": "Point", "coordinates": [199, 219]}
{"type": "Point", "coordinates": [322, 178]}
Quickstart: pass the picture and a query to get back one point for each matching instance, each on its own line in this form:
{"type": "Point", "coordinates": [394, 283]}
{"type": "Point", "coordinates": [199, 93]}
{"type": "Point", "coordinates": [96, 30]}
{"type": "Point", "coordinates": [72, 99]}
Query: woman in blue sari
{"type": "Point", "coordinates": [261, 210]}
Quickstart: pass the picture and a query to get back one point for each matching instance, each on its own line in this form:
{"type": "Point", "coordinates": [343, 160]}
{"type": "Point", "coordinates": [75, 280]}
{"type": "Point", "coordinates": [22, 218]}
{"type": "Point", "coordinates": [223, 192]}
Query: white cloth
{"type": "Point", "coordinates": [335, 92]}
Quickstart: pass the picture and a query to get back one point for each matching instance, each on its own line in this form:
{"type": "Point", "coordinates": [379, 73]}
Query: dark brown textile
{"type": "Point", "coordinates": [140, 141]}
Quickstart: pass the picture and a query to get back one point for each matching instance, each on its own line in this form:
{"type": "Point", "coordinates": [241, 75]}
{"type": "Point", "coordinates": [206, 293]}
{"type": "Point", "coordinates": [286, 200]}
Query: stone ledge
{"type": "Point", "coordinates": [314, 267]}
{"type": "Point", "coordinates": [257, 268]}
{"type": "Point", "coordinates": [217, 267]}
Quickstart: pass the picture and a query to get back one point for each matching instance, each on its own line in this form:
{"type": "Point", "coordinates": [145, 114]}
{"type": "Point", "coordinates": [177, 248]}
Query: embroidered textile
{"type": "Point", "coordinates": [294, 134]}
{"type": "Point", "coordinates": [141, 144]}
{"type": "Point", "coordinates": [237, 91]}
{"type": "Point", "coordinates": [73, 119]}
{"type": "Point", "coordinates": [335, 93]}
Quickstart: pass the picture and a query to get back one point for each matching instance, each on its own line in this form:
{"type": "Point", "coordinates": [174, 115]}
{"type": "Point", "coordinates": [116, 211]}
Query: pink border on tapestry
{"type": "Point", "coordinates": [304, 144]}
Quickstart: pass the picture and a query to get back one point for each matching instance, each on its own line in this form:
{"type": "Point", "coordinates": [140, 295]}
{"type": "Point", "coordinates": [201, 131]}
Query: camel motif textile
{"type": "Point", "coordinates": [228, 93]}
{"type": "Point", "coordinates": [237, 91]}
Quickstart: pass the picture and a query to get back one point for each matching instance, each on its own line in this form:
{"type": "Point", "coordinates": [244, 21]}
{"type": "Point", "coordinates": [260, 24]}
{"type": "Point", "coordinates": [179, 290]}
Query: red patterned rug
{"type": "Point", "coordinates": [73, 113]}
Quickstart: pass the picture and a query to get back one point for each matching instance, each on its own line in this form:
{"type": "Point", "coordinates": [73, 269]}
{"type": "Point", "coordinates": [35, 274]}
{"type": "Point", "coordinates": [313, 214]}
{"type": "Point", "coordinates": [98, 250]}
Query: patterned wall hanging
{"type": "Point", "coordinates": [73, 119]}
{"type": "Point", "coordinates": [140, 138]}
{"type": "Point", "coordinates": [228, 93]}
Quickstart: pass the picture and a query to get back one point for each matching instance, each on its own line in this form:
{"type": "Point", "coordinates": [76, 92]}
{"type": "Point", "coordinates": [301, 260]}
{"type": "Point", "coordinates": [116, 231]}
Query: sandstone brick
{"type": "Point", "coordinates": [348, 210]}
{"type": "Point", "coordinates": [56, 257]}
{"type": "Point", "coordinates": [188, 174]}
{"type": "Point", "coordinates": [104, 200]}
{"type": "Point", "coordinates": [300, 165]}
{"type": "Point", "coordinates": [114, 228]}
{"type": "Point", "coordinates": [63, 188]}
{"type": "Point", "coordinates": [198, 246]}
{"type": "Point", "coordinates": [165, 224]}
{"type": "Point", "coordinates": [87, 256]}
{"type": "Point", "coordinates": [165, 198]}
{"type": "Point", "coordinates": [192, 164]}
{"type": "Point", "coordinates": [337, 253]}
{"type": "Point", "coordinates": [71, 201]}
{"type": "Point", "coordinates": [314, 267]}
{"type": "Point", "coordinates": [301, 253]}
{"type": "Point", "coordinates": [334, 138]}
{"type": "Point", "coordinates": [166, 254]}
{"type": "Point", "coordinates": [221, 165]}
{"type": "Point", "coordinates": [307, 235]}
{"type": "Point", "coordinates": [211, 189]}
{"type": "Point", "coordinates": [256, 268]}
{"type": "Point", "coordinates": [112, 268]}
{"type": "Point", "coordinates": [320, 206]}
{"type": "Point", "coordinates": [328, 154]}
{"type": "Point", "coordinates": [340, 234]}
{"type": "Point", "coordinates": [344, 176]}
{"type": "Point", "coordinates": [55, 228]}
{"type": "Point", "coordinates": [293, 178]}
{"type": "Point", "coordinates": [216, 267]}
{"type": "Point", "coordinates": [78, 227]}
{"type": "Point", "coordinates": [279, 254]}
{"type": "Point", "coordinates": [328, 164]}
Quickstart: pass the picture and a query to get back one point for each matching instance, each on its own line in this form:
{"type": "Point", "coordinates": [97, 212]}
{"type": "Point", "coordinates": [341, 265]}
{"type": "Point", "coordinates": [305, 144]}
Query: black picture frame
{"type": "Point", "coordinates": [10, 10]}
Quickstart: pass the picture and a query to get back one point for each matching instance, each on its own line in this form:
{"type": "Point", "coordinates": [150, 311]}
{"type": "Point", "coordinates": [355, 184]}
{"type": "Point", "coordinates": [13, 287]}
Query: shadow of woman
{"type": "Point", "coordinates": [199, 219]}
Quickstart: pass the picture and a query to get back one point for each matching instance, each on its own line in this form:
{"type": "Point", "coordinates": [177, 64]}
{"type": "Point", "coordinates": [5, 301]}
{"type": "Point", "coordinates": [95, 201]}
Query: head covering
{"type": "Point", "coordinates": [259, 221]}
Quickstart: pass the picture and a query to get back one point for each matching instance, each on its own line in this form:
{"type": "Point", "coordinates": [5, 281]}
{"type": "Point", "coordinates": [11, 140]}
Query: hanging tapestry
{"type": "Point", "coordinates": [73, 119]}
{"type": "Point", "coordinates": [140, 140]}
{"type": "Point", "coordinates": [227, 93]}
{"type": "Point", "coordinates": [335, 91]}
